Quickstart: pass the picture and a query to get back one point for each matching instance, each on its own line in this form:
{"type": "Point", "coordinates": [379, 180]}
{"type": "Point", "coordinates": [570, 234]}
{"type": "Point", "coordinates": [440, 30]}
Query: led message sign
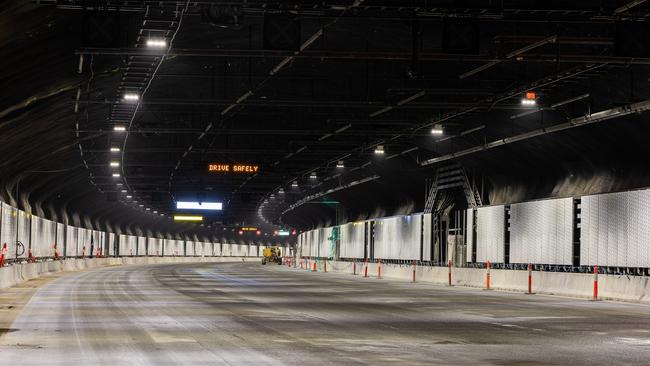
{"type": "Point", "coordinates": [233, 168]}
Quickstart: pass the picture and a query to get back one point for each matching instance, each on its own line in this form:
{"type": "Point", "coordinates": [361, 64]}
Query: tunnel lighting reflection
{"type": "Point", "coordinates": [156, 43]}
{"type": "Point", "coordinates": [187, 218]}
{"type": "Point", "coordinates": [190, 205]}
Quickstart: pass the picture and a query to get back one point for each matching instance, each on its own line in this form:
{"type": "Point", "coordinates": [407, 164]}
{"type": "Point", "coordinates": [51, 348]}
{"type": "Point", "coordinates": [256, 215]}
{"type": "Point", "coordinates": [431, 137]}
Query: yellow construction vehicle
{"type": "Point", "coordinates": [272, 254]}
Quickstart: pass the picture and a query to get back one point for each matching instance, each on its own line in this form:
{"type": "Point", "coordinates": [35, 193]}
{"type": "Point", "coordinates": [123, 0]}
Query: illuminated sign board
{"type": "Point", "coordinates": [283, 232]}
{"type": "Point", "coordinates": [233, 168]}
{"type": "Point", "coordinates": [184, 205]}
{"type": "Point", "coordinates": [249, 229]}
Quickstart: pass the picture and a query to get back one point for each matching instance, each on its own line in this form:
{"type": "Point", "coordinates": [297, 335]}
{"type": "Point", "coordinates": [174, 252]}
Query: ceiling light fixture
{"type": "Point", "coordinates": [339, 164]}
{"type": "Point", "coordinates": [380, 150]}
{"type": "Point", "coordinates": [114, 163]}
{"type": "Point", "coordinates": [294, 184]}
{"type": "Point", "coordinates": [156, 43]}
{"type": "Point", "coordinates": [116, 175]}
{"type": "Point", "coordinates": [119, 128]}
{"type": "Point", "coordinates": [190, 205]}
{"type": "Point", "coordinates": [115, 149]}
{"type": "Point", "coordinates": [437, 130]}
{"type": "Point", "coordinates": [131, 97]}
{"type": "Point", "coordinates": [313, 175]}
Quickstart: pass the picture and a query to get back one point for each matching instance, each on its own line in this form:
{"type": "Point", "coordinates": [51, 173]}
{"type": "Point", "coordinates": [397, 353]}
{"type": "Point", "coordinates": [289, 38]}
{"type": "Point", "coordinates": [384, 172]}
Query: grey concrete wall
{"type": "Point", "coordinates": [610, 287]}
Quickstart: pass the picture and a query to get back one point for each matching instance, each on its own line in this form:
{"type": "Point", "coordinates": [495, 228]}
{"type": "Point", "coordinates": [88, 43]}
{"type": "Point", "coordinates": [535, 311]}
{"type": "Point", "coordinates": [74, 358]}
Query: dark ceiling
{"type": "Point", "coordinates": [297, 86]}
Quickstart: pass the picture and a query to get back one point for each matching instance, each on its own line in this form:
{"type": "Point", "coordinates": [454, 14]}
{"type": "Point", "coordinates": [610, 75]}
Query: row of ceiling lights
{"type": "Point", "coordinates": [529, 99]}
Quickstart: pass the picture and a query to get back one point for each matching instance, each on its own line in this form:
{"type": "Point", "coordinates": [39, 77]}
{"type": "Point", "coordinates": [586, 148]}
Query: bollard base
{"type": "Point", "coordinates": [529, 293]}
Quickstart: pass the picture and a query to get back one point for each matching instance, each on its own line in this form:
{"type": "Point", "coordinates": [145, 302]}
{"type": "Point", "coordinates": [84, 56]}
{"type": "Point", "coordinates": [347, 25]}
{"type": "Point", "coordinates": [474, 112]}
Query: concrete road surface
{"type": "Point", "coordinates": [248, 314]}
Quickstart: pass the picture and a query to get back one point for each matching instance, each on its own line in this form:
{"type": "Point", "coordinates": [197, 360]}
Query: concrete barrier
{"type": "Point", "coordinates": [611, 287]}
{"type": "Point", "coordinates": [17, 273]}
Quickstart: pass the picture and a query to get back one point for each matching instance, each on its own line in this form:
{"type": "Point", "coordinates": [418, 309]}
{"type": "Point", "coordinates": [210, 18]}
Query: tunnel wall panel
{"type": "Point", "coordinates": [615, 229]}
{"type": "Point", "coordinates": [542, 232]}
{"type": "Point", "coordinates": [398, 237]}
{"type": "Point", "coordinates": [352, 240]}
{"type": "Point", "coordinates": [8, 229]}
{"type": "Point", "coordinates": [490, 234]}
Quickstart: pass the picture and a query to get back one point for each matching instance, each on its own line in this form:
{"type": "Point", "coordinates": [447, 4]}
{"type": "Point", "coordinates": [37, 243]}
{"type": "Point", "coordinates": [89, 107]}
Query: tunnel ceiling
{"type": "Point", "coordinates": [294, 87]}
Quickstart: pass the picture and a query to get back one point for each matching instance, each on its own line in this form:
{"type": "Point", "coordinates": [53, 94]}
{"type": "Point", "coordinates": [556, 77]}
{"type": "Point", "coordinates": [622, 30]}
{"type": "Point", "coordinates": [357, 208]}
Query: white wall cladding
{"type": "Point", "coordinates": [352, 240]}
{"type": "Point", "coordinates": [615, 229]}
{"type": "Point", "coordinates": [426, 238]}
{"type": "Point", "coordinates": [253, 251]}
{"type": "Point", "coordinates": [541, 232]}
{"type": "Point", "coordinates": [189, 248]}
{"type": "Point", "coordinates": [325, 245]}
{"type": "Point", "coordinates": [71, 239]}
{"type": "Point", "coordinates": [469, 233]}
{"type": "Point", "coordinates": [141, 245]}
{"type": "Point", "coordinates": [42, 237]}
{"type": "Point", "coordinates": [154, 246]}
{"type": "Point", "coordinates": [398, 237]}
{"type": "Point", "coordinates": [173, 247]}
{"type": "Point", "coordinates": [490, 234]}
{"type": "Point", "coordinates": [24, 229]}
{"type": "Point", "coordinates": [111, 244]}
{"type": "Point", "coordinates": [60, 238]}
{"type": "Point", "coordinates": [8, 230]}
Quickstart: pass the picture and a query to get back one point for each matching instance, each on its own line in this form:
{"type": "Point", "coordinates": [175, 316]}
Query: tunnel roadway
{"type": "Point", "coordinates": [248, 314]}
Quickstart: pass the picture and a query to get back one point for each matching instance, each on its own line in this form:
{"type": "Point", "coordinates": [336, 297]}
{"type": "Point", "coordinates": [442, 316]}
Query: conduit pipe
{"type": "Point", "coordinates": [575, 122]}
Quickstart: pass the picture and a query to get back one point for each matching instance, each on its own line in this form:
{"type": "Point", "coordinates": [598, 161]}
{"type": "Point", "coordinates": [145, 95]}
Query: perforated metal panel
{"type": "Point", "coordinates": [541, 232]}
{"type": "Point", "coordinates": [352, 240]}
{"type": "Point", "coordinates": [426, 237]}
{"type": "Point", "coordinates": [469, 232]}
{"type": "Point", "coordinates": [24, 230]}
{"type": "Point", "coordinates": [490, 234]}
{"type": "Point", "coordinates": [615, 229]}
{"type": "Point", "coordinates": [398, 237]}
{"type": "Point", "coordinates": [8, 230]}
{"type": "Point", "coordinates": [71, 241]}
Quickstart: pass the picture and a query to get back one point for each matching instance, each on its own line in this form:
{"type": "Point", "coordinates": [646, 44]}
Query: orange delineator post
{"type": "Point", "coordinates": [366, 273]}
{"type": "Point", "coordinates": [315, 266]}
{"type": "Point", "coordinates": [530, 278]}
{"type": "Point", "coordinates": [449, 274]}
{"type": "Point", "coordinates": [378, 268]}
{"type": "Point", "coordinates": [56, 253]}
{"type": "Point", "coordinates": [2, 256]}
{"type": "Point", "coordinates": [595, 282]}
{"type": "Point", "coordinates": [487, 275]}
{"type": "Point", "coordinates": [413, 271]}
